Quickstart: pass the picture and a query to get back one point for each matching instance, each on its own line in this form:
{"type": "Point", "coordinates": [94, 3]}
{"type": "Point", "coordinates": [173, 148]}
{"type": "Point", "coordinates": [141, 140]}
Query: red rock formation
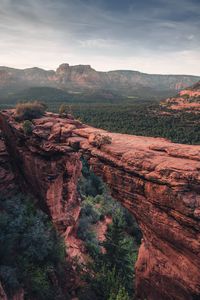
{"type": "Point", "coordinates": [188, 100]}
{"type": "Point", "coordinates": [49, 170]}
{"type": "Point", "coordinates": [158, 181]}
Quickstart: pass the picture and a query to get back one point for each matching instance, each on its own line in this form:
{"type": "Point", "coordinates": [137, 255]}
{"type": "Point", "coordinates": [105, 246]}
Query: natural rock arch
{"type": "Point", "coordinates": [156, 180]}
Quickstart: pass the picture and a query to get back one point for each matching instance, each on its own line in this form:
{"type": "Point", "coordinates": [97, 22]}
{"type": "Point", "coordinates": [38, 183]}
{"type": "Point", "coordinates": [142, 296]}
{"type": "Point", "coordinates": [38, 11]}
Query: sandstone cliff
{"type": "Point", "coordinates": [158, 181]}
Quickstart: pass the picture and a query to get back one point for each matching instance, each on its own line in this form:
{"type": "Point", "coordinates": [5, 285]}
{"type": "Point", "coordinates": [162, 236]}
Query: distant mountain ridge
{"type": "Point", "coordinates": [81, 78]}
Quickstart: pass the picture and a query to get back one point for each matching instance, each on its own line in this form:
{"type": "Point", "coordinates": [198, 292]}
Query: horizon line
{"type": "Point", "coordinates": [102, 71]}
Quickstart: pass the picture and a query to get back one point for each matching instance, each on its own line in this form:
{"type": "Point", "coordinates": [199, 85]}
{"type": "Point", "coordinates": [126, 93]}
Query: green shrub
{"type": "Point", "coordinates": [120, 295]}
{"type": "Point", "coordinates": [83, 228]}
{"type": "Point", "coordinates": [27, 127]}
{"type": "Point", "coordinates": [29, 110]}
{"type": "Point", "coordinates": [90, 184]}
{"type": "Point", "coordinates": [93, 248]}
{"type": "Point", "coordinates": [88, 210]}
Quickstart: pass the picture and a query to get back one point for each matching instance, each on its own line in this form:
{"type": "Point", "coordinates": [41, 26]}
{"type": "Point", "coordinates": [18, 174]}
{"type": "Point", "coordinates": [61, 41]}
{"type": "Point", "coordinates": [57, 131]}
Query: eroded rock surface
{"type": "Point", "coordinates": [47, 167]}
{"type": "Point", "coordinates": [158, 181]}
{"type": "Point", "coordinates": [187, 100]}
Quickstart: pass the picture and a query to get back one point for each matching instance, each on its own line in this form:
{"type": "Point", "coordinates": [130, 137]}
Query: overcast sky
{"type": "Point", "coordinates": [153, 36]}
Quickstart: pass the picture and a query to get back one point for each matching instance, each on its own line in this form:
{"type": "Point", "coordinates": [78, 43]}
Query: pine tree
{"type": "Point", "coordinates": [121, 295]}
{"type": "Point", "coordinates": [119, 251]}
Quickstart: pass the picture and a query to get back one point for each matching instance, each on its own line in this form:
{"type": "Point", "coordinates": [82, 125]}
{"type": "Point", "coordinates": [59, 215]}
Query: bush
{"type": "Point", "coordinates": [29, 110]}
{"type": "Point", "coordinates": [83, 228]}
{"type": "Point", "coordinates": [98, 140]}
{"type": "Point", "coordinates": [90, 184]}
{"type": "Point", "coordinates": [93, 248]}
{"type": "Point", "coordinates": [64, 110]}
{"type": "Point", "coordinates": [27, 127]}
{"type": "Point", "coordinates": [89, 210]}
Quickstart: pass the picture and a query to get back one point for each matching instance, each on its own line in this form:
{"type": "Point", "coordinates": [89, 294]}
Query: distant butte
{"type": "Point", "coordinates": [84, 78]}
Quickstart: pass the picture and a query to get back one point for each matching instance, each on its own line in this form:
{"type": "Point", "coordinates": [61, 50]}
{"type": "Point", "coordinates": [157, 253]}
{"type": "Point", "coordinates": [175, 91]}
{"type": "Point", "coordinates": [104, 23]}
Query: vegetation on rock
{"type": "Point", "coordinates": [99, 140]}
{"type": "Point", "coordinates": [29, 110]}
{"type": "Point", "coordinates": [64, 110]}
{"type": "Point", "coordinates": [109, 272]}
{"type": "Point", "coordinates": [27, 127]}
{"type": "Point", "coordinates": [138, 116]}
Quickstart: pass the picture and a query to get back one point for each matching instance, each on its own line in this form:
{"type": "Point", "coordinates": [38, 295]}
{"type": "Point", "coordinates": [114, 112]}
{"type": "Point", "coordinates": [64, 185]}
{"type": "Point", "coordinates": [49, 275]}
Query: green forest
{"type": "Point", "coordinates": [33, 256]}
{"type": "Point", "coordinates": [131, 115]}
{"type": "Point", "coordinates": [146, 119]}
{"type": "Point", "coordinates": [108, 274]}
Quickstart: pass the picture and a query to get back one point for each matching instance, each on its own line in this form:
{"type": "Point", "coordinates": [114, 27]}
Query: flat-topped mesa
{"type": "Point", "coordinates": [158, 181]}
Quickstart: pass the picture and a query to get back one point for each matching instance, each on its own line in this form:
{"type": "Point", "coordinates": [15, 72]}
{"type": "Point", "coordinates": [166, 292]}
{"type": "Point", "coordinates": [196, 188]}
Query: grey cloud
{"type": "Point", "coordinates": [84, 31]}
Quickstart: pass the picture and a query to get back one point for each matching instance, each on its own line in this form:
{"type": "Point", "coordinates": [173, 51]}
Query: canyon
{"type": "Point", "coordinates": [156, 180]}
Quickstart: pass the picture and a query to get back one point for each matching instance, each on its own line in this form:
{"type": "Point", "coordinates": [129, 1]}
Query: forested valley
{"type": "Point", "coordinates": [131, 115]}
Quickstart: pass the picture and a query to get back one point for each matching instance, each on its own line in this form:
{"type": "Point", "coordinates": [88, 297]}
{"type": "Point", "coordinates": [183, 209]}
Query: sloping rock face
{"type": "Point", "coordinates": [48, 168]}
{"type": "Point", "coordinates": [187, 100]}
{"type": "Point", "coordinates": [158, 181]}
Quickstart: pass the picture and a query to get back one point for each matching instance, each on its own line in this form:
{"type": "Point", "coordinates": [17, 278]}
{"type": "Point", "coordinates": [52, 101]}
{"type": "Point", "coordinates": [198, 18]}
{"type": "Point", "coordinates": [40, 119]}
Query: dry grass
{"type": "Point", "coordinates": [29, 110]}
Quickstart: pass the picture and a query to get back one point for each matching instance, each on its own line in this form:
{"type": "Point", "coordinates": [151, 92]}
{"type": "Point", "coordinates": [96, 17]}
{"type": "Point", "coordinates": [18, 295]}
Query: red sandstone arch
{"type": "Point", "coordinates": [158, 181]}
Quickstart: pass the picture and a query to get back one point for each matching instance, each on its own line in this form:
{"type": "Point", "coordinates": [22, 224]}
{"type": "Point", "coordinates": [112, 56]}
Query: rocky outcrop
{"type": "Point", "coordinates": [158, 181]}
{"type": "Point", "coordinates": [187, 100]}
{"type": "Point", "coordinates": [48, 170]}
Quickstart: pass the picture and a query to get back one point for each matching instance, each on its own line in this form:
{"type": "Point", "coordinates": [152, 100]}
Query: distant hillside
{"type": "Point", "coordinates": [83, 78]}
{"type": "Point", "coordinates": [187, 100]}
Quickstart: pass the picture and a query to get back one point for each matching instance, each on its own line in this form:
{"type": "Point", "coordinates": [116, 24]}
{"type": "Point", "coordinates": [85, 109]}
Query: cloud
{"type": "Point", "coordinates": [106, 34]}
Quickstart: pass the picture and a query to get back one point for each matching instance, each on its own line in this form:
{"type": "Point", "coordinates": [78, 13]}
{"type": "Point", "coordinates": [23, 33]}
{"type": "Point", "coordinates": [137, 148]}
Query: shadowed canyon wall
{"type": "Point", "coordinates": [158, 181]}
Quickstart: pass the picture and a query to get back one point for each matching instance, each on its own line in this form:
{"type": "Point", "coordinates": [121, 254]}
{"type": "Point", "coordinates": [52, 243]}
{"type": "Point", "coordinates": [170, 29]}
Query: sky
{"type": "Point", "coordinates": [152, 36]}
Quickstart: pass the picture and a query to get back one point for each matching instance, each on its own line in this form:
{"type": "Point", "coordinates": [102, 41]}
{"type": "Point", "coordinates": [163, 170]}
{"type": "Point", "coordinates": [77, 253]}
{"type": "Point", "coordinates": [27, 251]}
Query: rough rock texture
{"type": "Point", "coordinates": [47, 167]}
{"type": "Point", "coordinates": [188, 100]}
{"type": "Point", "coordinates": [158, 181]}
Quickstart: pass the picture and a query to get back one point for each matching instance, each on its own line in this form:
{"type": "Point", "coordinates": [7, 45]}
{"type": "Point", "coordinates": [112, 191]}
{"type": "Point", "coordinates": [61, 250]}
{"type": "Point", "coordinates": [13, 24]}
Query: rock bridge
{"type": "Point", "coordinates": [158, 181]}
